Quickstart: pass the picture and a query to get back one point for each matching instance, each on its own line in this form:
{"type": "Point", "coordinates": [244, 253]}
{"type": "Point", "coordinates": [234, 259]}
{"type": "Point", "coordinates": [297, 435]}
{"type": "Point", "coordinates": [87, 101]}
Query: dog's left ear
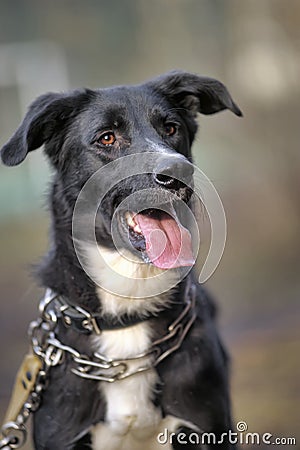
{"type": "Point", "coordinates": [196, 93]}
{"type": "Point", "coordinates": [45, 118]}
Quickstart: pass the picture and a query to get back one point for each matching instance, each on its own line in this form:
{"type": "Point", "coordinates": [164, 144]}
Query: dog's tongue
{"type": "Point", "coordinates": [168, 243]}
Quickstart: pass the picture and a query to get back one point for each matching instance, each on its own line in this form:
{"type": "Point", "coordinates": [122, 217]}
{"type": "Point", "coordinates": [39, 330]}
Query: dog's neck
{"type": "Point", "coordinates": [125, 285]}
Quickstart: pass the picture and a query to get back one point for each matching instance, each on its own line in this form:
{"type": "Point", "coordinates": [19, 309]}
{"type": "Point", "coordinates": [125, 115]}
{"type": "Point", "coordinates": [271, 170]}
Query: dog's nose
{"type": "Point", "coordinates": [173, 172]}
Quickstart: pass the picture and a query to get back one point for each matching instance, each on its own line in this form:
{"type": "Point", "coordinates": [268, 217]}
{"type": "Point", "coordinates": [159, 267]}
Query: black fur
{"type": "Point", "coordinates": [194, 380]}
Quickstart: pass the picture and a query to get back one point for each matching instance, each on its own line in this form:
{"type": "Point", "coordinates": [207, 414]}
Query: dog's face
{"type": "Point", "coordinates": [85, 130]}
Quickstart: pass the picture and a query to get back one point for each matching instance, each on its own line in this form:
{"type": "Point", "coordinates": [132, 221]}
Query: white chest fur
{"type": "Point", "coordinates": [130, 413]}
{"type": "Point", "coordinates": [131, 422]}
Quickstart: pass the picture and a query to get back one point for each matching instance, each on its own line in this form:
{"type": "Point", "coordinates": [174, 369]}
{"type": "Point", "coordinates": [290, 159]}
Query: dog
{"type": "Point", "coordinates": [159, 363]}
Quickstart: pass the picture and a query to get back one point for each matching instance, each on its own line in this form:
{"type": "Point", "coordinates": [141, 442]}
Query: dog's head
{"type": "Point", "coordinates": [84, 130]}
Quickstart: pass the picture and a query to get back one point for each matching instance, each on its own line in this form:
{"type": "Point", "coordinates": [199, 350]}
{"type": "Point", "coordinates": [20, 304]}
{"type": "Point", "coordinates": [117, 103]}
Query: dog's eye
{"type": "Point", "coordinates": [170, 128]}
{"type": "Point", "coordinates": [107, 138]}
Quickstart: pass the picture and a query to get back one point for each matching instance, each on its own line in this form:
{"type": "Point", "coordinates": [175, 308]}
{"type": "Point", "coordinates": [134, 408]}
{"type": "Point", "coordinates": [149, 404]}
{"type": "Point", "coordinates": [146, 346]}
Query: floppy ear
{"type": "Point", "coordinates": [45, 116]}
{"type": "Point", "coordinates": [196, 93]}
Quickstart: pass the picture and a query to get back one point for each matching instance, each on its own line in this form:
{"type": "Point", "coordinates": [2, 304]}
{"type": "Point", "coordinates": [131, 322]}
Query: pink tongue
{"type": "Point", "coordinates": [168, 243]}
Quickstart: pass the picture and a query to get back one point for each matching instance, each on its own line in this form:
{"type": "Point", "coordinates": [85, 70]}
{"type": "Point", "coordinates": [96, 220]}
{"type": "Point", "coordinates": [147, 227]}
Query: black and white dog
{"type": "Point", "coordinates": [158, 361]}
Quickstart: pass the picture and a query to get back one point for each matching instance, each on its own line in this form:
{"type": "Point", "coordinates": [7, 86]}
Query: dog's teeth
{"type": "Point", "coordinates": [129, 219]}
{"type": "Point", "coordinates": [131, 222]}
{"type": "Point", "coordinates": [137, 229]}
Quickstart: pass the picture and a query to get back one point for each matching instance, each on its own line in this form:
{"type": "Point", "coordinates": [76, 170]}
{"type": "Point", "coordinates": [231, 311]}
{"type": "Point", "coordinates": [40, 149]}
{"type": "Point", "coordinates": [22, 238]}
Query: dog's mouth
{"type": "Point", "coordinates": [160, 237]}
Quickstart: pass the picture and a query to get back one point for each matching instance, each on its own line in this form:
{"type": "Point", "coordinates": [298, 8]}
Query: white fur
{"type": "Point", "coordinates": [131, 422]}
{"type": "Point", "coordinates": [106, 438]}
{"type": "Point", "coordinates": [129, 408]}
{"type": "Point", "coordinates": [125, 284]}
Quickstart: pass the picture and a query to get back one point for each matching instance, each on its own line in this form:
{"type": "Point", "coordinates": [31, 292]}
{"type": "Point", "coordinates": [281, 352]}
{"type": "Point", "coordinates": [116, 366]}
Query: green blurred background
{"type": "Point", "coordinates": [253, 47]}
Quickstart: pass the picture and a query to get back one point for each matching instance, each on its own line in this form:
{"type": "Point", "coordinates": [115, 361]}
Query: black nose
{"type": "Point", "coordinates": [174, 172]}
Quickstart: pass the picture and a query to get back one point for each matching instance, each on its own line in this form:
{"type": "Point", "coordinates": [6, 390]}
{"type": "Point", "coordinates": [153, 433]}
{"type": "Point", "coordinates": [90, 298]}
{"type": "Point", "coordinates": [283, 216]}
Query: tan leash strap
{"type": "Point", "coordinates": [24, 384]}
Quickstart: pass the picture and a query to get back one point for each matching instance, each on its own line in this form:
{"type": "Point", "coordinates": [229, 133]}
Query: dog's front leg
{"type": "Point", "coordinates": [69, 406]}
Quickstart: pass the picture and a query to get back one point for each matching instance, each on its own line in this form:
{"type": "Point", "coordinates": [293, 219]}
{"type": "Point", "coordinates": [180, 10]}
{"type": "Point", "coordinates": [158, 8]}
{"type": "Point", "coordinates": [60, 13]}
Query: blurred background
{"type": "Point", "coordinates": [254, 162]}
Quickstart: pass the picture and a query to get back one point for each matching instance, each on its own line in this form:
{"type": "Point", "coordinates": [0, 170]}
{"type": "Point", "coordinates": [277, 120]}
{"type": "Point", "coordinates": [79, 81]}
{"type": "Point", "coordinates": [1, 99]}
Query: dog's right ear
{"type": "Point", "coordinates": [46, 115]}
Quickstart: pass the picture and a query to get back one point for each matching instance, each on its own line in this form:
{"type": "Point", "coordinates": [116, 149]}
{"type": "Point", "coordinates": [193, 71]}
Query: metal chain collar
{"type": "Point", "coordinates": [52, 352]}
{"type": "Point", "coordinates": [98, 367]}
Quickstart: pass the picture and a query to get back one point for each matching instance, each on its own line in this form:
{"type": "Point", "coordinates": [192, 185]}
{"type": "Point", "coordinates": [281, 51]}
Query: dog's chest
{"type": "Point", "coordinates": [131, 421]}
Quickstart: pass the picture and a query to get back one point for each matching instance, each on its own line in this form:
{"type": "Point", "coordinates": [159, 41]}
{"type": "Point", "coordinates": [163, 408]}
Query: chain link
{"type": "Point", "coordinates": [14, 433]}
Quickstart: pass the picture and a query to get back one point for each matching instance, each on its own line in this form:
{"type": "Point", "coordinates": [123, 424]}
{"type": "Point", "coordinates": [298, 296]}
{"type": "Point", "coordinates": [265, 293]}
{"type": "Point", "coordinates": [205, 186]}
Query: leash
{"type": "Point", "coordinates": [48, 351]}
